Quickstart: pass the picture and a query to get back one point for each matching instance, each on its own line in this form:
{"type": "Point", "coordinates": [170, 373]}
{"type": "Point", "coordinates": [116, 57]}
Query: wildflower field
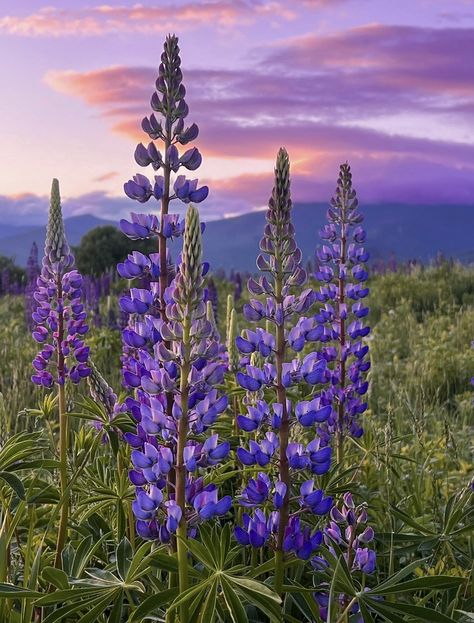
{"type": "Point", "coordinates": [184, 446]}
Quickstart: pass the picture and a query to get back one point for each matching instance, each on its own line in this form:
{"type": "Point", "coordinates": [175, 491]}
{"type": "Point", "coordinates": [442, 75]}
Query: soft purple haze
{"type": "Point", "coordinates": [387, 85]}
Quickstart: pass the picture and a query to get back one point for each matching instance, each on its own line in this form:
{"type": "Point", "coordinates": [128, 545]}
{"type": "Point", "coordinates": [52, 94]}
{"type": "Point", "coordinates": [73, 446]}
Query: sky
{"type": "Point", "coordinates": [386, 85]}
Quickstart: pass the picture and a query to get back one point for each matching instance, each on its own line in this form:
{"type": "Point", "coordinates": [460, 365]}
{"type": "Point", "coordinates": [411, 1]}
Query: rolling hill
{"type": "Point", "coordinates": [406, 231]}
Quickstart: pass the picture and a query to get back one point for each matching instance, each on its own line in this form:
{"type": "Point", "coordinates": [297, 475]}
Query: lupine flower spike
{"type": "Point", "coordinates": [60, 328]}
{"type": "Point", "coordinates": [170, 354]}
{"type": "Point", "coordinates": [280, 262]}
{"type": "Point", "coordinates": [343, 275]}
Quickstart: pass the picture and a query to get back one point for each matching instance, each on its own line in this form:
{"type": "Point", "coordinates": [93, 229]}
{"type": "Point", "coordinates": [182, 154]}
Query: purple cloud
{"type": "Point", "coordinates": [312, 94]}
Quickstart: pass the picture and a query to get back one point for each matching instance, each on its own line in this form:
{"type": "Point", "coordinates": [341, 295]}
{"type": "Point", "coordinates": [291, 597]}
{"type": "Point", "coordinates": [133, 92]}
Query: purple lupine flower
{"type": "Point", "coordinates": [300, 539]}
{"type": "Point", "coordinates": [257, 491]}
{"type": "Point", "coordinates": [270, 370]}
{"type": "Point", "coordinates": [168, 350]}
{"type": "Point", "coordinates": [341, 270]}
{"type": "Point", "coordinates": [59, 315]}
{"type": "Point", "coordinates": [348, 529]}
{"type": "Point", "coordinates": [255, 530]}
{"type": "Point", "coordinates": [155, 357]}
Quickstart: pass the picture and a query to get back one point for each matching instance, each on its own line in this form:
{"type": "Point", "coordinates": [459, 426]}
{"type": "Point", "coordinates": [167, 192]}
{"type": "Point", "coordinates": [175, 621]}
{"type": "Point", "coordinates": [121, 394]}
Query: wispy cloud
{"type": "Point", "coordinates": [148, 19]}
{"type": "Point", "coordinates": [355, 74]}
{"type": "Point", "coordinates": [110, 175]}
{"type": "Point", "coordinates": [318, 95]}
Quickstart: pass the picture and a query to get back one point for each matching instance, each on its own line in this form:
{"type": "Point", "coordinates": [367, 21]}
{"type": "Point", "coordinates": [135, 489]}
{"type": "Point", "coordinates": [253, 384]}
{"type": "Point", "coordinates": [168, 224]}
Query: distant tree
{"type": "Point", "coordinates": [10, 273]}
{"type": "Point", "coordinates": [103, 247]}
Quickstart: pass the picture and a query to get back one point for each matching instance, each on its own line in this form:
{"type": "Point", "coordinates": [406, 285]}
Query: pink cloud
{"type": "Point", "coordinates": [162, 17]}
{"type": "Point", "coordinates": [302, 94]}
{"type": "Point", "coordinates": [351, 75]}
{"type": "Point", "coordinates": [110, 175]}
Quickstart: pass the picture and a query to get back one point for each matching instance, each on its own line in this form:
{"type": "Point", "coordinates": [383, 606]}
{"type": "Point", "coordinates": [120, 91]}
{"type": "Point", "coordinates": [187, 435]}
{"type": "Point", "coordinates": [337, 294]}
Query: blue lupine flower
{"type": "Point", "coordinates": [257, 491]}
{"type": "Point", "coordinates": [255, 530]}
{"type": "Point", "coordinates": [314, 499]}
{"type": "Point", "coordinates": [259, 453]}
{"type": "Point", "coordinates": [207, 504]}
{"type": "Point", "coordinates": [300, 539]}
{"type": "Point", "coordinates": [365, 560]}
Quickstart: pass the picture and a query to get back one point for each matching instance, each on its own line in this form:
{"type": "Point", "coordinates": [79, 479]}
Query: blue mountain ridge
{"type": "Point", "coordinates": [405, 231]}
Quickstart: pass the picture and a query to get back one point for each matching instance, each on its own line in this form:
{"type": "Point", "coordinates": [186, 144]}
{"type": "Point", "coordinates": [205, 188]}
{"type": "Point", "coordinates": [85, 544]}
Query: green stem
{"type": "Point", "coordinates": [63, 446]}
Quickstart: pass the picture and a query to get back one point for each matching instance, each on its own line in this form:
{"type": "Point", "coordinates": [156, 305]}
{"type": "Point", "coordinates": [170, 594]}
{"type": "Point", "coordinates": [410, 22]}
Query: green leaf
{"type": "Point", "coordinates": [91, 615]}
{"type": "Point", "coordinates": [14, 483]}
{"type": "Point", "coordinates": [56, 577]}
{"type": "Point", "coordinates": [421, 614]}
{"type": "Point", "coordinates": [10, 591]}
{"type": "Point", "coordinates": [116, 614]}
{"type": "Point", "coordinates": [266, 567]}
{"type": "Point", "coordinates": [306, 604]}
{"type": "Point", "coordinates": [382, 609]}
{"type": "Point", "coordinates": [124, 556]}
{"type": "Point", "coordinates": [259, 595]}
{"type": "Point", "coordinates": [59, 615]}
{"type": "Point", "coordinates": [368, 618]}
{"type": "Point", "coordinates": [153, 603]}
{"type": "Point", "coordinates": [409, 521]}
{"type": "Point", "coordinates": [203, 554]}
{"type": "Point", "coordinates": [394, 579]}
{"type": "Point", "coordinates": [164, 561]}
{"type": "Point", "coordinates": [71, 594]}
{"type": "Point", "coordinates": [207, 612]}
{"type": "Point", "coordinates": [224, 543]}
{"type": "Point", "coordinates": [232, 600]}
{"type": "Point", "coordinates": [191, 593]}
{"type": "Point", "coordinates": [468, 615]}
{"type": "Point", "coordinates": [430, 582]}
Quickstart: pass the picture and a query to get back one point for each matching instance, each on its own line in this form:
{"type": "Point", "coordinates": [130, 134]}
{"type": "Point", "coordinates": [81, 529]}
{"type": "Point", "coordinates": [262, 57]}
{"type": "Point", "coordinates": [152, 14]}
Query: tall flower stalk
{"type": "Point", "coordinates": [281, 261]}
{"type": "Point", "coordinates": [60, 326]}
{"type": "Point", "coordinates": [171, 356]}
{"type": "Point", "coordinates": [343, 274]}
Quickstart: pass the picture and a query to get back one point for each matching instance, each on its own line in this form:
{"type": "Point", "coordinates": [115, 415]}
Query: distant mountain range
{"type": "Point", "coordinates": [405, 231]}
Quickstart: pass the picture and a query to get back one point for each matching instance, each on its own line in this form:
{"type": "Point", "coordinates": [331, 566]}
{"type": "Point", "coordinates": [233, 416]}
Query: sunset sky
{"type": "Point", "coordinates": [387, 85]}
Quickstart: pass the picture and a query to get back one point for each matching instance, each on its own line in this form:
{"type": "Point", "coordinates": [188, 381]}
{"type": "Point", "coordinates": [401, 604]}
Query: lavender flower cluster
{"type": "Point", "coordinates": [170, 358]}
{"type": "Point", "coordinates": [59, 316]}
{"type": "Point", "coordinates": [343, 275]}
{"type": "Point", "coordinates": [271, 423]}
